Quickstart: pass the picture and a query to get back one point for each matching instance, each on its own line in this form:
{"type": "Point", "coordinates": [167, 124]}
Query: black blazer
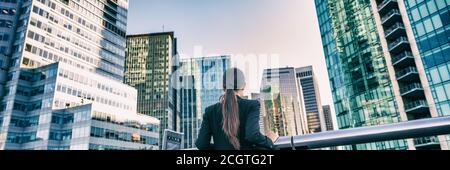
{"type": "Point", "coordinates": [249, 133]}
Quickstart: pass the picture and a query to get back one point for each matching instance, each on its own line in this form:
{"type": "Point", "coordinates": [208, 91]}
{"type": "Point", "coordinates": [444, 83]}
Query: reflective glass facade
{"type": "Point", "coordinates": [328, 118]}
{"type": "Point", "coordinates": [55, 109]}
{"type": "Point", "coordinates": [430, 21]}
{"type": "Point", "coordinates": [201, 87]}
{"type": "Point", "coordinates": [86, 38]}
{"type": "Point", "coordinates": [282, 102]}
{"type": "Point", "coordinates": [148, 68]}
{"type": "Point", "coordinates": [86, 34]}
{"type": "Point", "coordinates": [189, 110]}
{"type": "Point", "coordinates": [88, 128]}
{"type": "Point", "coordinates": [208, 71]}
{"type": "Point", "coordinates": [311, 99]}
{"type": "Point", "coordinates": [360, 83]}
{"type": "Point", "coordinates": [8, 22]}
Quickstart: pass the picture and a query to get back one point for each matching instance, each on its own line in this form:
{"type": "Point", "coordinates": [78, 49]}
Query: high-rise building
{"type": "Point", "coordinates": [89, 50]}
{"type": "Point", "coordinates": [257, 97]}
{"type": "Point", "coordinates": [149, 65]}
{"type": "Point", "coordinates": [59, 106]}
{"type": "Point", "coordinates": [8, 21]}
{"type": "Point", "coordinates": [200, 86]}
{"type": "Point", "coordinates": [190, 113]}
{"type": "Point", "coordinates": [311, 98]}
{"type": "Point", "coordinates": [329, 123]}
{"type": "Point", "coordinates": [208, 71]}
{"type": "Point", "coordinates": [94, 129]}
{"type": "Point", "coordinates": [430, 33]}
{"type": "Point", "coordinates": [377, 56]}
{"type": "Point", "coordinates": [328, 118]}
{"type": "Point", "coordinates": [281, 100]}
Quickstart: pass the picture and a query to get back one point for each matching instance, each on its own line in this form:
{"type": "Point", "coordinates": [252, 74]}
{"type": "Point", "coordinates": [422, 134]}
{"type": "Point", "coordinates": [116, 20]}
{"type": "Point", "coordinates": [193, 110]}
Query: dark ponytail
{"type": "Point", "coordinates": [230, 112]}
{"type": "Point", "coordinates": [233, 80]}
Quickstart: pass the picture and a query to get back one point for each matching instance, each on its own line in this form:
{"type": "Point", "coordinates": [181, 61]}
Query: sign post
{"type": "Point", "coordinates": [172, 140]}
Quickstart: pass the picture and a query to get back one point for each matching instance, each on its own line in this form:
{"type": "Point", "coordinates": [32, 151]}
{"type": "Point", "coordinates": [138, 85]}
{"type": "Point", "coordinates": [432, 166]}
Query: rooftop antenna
{"type": "Point", "coordinates": [163, 28]}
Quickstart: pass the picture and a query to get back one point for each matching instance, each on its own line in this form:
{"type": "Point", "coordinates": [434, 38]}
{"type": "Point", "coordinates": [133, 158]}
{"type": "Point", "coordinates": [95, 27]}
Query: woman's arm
{"type": "Point", "coordinates": [204, 136]}
{"type": "Point", "coordinates": [252, 130]}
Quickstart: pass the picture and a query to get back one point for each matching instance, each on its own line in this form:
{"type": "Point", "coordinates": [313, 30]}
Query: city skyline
{"type": "Point", "coordinates": [62, 86]}
{"type": "Point", "coordinates": [388, 62]}
{"type": "Point", "coordinates": [73, 79]}
{"type": "Point", "coordinates": [264, 28]}
{"type": "Point", "coordinates": [200, 86]}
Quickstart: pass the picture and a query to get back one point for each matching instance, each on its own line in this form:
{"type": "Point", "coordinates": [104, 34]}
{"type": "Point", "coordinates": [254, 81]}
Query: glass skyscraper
{"type": "Point", "coordinates": [328, 117]}
{"type": "Point", "coordinates": [311, 98]}
{"type": "Point", "coordinates": [62, 72]}
{"type": "Point", "coordinates": [189, 110]}
{"type": "Point", "coordinates": [208, 71]}
{"type": "Point", "coordinates": [149, 67]}
{"type": "Point", "coordinates": [376, 72]}
{"type": "Point", "coordinates": [282, 102]}
{"type": "Point", "coordinates": [200, 81]}
{"type": "Point", "coordinates": [430, 23]}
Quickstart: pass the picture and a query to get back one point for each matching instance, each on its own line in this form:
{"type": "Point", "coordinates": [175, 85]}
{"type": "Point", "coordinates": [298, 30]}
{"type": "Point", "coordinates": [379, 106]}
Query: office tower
{"type": "Point", "coordinates": [375, 64]}
{"type": "Point", "coordinates": [174, 98]}
{"type": "Point", "coordinates": [190, 113]}
{"type": "Point", "coordinates": [148, 67]}
{"type": "Point", "coordinates": [328, 117]}
{"type": "Point", "coordinates": [257, 97]}
{"type": "Point", "coordinates": [329, 123]}
{"type": "Point", "coordinates": [281, 98]}
{"type": "Point", "coordinates": [311, 97]}
{"type": "Point", "coordinates": [59, 106]}
{"type": "Point", "coordinates": [430, 25]}
{"type": "Point", "coordinates": [200, 81]}
{"type": "Point", "coordinates": [102, 131]}
{"type": "Point", "coordinates": [208, 73]}
{"type": "Point", "coordinates": [8, 21]}
{"type": "Point", "coordinates": [89, 50]}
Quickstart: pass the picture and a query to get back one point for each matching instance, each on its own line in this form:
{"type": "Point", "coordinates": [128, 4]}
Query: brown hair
{"type": "Point", "coordinates": [233, 80]}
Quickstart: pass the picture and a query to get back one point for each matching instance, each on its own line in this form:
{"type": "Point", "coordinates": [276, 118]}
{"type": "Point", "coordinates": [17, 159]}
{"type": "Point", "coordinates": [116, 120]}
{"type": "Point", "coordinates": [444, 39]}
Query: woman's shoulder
{"type": "Point", "coordinates": [214, 107]}
{"type": "Point", "coordinates": [247, 102]}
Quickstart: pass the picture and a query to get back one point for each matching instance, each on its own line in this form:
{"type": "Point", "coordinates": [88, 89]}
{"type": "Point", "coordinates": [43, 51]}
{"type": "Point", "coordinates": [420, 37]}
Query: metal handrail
{"type": "Point", "coordinates": [406, 71]}
{"type": "Point", "coordinates": [394, 131]}
{"type": "Point", "coordinates": [402, 55]}
{"type": "Point", "coordinates": [389, 14]}
{"type": "Point", "coordinates": [426, 140]}
{"type": "Point", "coordinates": [384, 3]}
{"type": "Point", "coordinates": [394, 27]}
{"type": "Point", "coordinates": [397, 42]}
{"type": "Point", "coordinates": [415, 104]}
{"type": "Point", "coordinates": [410, 87]}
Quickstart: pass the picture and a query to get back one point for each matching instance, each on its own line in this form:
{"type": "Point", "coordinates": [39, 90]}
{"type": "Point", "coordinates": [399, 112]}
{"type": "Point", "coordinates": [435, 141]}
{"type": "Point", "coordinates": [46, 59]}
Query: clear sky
{"type": "Point", "coordinates": [287, 29]}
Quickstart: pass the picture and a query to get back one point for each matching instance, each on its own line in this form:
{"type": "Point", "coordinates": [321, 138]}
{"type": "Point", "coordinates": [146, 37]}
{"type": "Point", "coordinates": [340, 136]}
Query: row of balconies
{"type": "Point", "coordinates": [403, 61]}
{"type": "Point", "coordinates": [391, 18]}
{"type": "Point", "coordinates": [399, 45]}
{"type": "Point", "coordinates": [395, 31]}
{"type": "Point", "coordinates": [417, 107]}
{"type": "Point", "coordinates": [427, 142]}
{"type": "Point", "coordinates": [387, 5]}
{"type": "Point", "coordinates": [413, 90]}
{"type": "Point", "coordinates": [408, 74]}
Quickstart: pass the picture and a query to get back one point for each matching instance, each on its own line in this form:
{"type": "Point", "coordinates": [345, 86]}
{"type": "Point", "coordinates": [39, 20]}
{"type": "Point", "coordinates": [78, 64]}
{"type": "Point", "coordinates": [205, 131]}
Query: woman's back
{"type": "Point", "coordinates": [248, 134]}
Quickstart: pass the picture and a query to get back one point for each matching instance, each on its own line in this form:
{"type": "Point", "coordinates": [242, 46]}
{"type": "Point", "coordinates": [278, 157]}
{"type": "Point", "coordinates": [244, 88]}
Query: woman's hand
{"type": "Point", "coordinates": [273, 136]}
